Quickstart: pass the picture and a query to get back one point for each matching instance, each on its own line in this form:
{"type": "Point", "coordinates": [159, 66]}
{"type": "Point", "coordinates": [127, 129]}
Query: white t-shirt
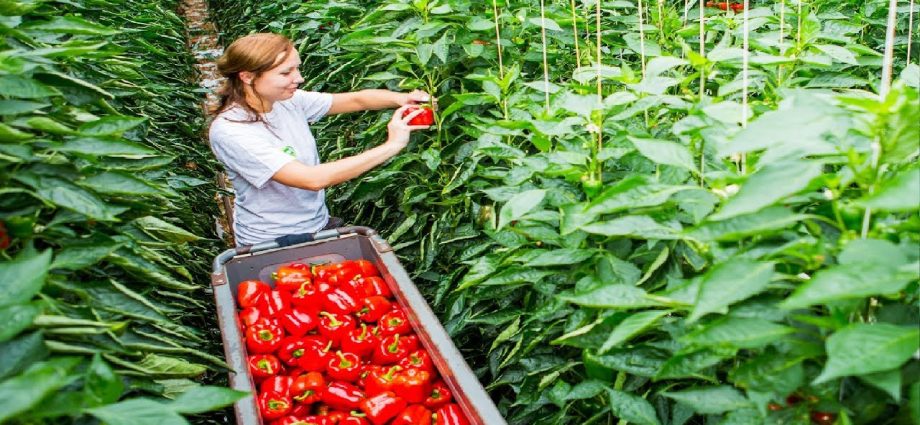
{"type": "Point", "coordinates": [265, 209]}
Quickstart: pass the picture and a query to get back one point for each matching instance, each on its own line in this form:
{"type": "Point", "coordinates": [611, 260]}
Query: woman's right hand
{"type": "Point", "coordinates": [399, 129]}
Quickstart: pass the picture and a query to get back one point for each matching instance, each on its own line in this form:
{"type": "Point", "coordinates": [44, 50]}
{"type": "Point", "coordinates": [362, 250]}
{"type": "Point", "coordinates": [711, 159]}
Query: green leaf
{"type": "Point", "coordinates": [847, 281]}
{"type": "Point", "coordinates": [710, 400]}
{"type": "Point", "coordinates": [641, 361]}
{"type": "Point", "coordinates": [632, 408]}
{"type": "Point", "coordinates": [519, 205]}
{"type": "Point", "coordinates": [17, 86]}
{"type": "Point", "coordinates": [22, 392]}
{"type": "Point", "coordinates": [728, 283]}
{"type": "Point", "coordinates": [768, 186]}
{"type": "Point", "coordinates": [914, 402]}
{"type": "Point", "coordinates": [840, 54]}
{"type": "Point", "coordinates": [614, 296]}
{"type": "Point", "coordinates": [630, 327]}
{"type": "Point", "coordinates": [117, 183]}
{"type": "Point", "coordinates": [95, 147]}
{"type": "Point", "coordinates": [762, 222]}
{"type": "Point", "coordinates": [20, 352]}
{"type": "Point", "coordinates": [635, 226]}
{"type": "Point", "coordinates": [82, 253]}
{"type": "Point", "coordinates": [862, 349]}
{"type": "Point", "coordinates": [737, 332]}
{"type": "Point", "coordinates": [16, 107]}
{"type": "Point", "coordinates": [70, 196]}
{"type": "Point", "coordinates": [900, 193]}
{"type": "Point", "coordinates": [72, 25]}
{"type": "Point", "coordinates": [10, 134]}
{"type": "Point", "coordinates": [888, 381]}
{"type": "Point", "coordinates": [15, 318]}
{"type": "Point", "coordinates": [205, 398]}
{"type": "Point", "coordinates": [23, 277]}
{"type": "Point", "coordinates": [102, 385]}
{"type": "Point", "coordinates": [164, 366]}
{"type": "Point", "coordinates": [165, 231]}
{"type": "Point", "coordinates": [689, 365]}
{"type": "Point", "coordinates": [110, 125]}
{"type": "Point", "coordinates": [138, 411]}
{"type": "Point", "coordinates": [664, 152]}
{"type": "Point", "coordinates": [556, 257]}
{"type": "Point", "coordinates": [770, 372]}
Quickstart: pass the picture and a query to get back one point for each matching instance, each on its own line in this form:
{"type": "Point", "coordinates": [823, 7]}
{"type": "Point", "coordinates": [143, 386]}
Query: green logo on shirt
{"type": "Point", "coordinates": [289, 150]}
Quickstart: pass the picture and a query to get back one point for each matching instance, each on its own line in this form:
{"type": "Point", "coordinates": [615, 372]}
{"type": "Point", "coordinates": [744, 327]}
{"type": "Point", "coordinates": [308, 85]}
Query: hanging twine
{"type": "Point", "coordinates": [641, 38]}
{"type": "Point", "coordinates": [887, 66]}
{"type": "Point", "coordinates": [498, 40]}
{"type": "Point", "coordinates": [910, 28]}
{"type": "Point", "coordinates": [575, 34]}
{"type": "Point", "coordinates": [702, 49]}
{"type": "Point", "coordinates": [745, 56]}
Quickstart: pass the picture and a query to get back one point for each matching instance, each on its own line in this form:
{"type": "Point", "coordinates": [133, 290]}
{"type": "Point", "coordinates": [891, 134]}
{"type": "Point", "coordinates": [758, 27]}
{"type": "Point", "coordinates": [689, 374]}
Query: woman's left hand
{"type": "Point", "coordinates": [417, 96]}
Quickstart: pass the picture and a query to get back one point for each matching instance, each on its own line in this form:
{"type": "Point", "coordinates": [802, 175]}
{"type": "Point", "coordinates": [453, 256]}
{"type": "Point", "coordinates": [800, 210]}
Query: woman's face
{"type": "Point", "coordinates": [280, 82]}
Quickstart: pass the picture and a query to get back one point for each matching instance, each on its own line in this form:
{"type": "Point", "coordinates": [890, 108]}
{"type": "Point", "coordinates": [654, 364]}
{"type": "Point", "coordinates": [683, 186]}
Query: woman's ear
{"type": "Point", "coordinates": [247, 77]}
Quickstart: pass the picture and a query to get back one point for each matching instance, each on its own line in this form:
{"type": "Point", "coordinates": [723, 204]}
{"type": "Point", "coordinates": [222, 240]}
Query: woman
{"type": "Point", "coordinates": [261, 134]}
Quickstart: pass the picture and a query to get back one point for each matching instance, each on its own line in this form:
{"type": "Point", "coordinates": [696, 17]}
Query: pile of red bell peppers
{"type": "Point", "coordinates": [329, 345]}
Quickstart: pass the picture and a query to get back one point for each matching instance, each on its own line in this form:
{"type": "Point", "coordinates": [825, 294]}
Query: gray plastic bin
{"type": "Point", "coordinates": [345, 243]}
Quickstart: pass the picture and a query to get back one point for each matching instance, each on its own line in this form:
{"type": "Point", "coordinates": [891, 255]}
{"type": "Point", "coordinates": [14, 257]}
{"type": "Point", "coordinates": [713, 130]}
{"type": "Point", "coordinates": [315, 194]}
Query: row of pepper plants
{"type": "Point", "coordinates": [106, 195]}
{"type": "Point", "coordinates": [658, 256]}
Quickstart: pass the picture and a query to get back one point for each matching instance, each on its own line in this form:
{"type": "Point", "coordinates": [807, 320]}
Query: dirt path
{"type": "Point", "coordinates": [205, 46]}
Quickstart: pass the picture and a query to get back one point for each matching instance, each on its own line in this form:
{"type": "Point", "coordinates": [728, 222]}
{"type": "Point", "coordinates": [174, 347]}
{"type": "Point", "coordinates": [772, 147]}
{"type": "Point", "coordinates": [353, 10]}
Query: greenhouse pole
{"type": "Point", "coordinates": [910, 28]}
{"type": "Point", "coordinates": [545, 64]}
{"type": "Point", "coordinates": [887, 65]}
{"type": "Point", "coordinates": [745, 57]}
{"type": "Point", "coordinates": [575, 34]}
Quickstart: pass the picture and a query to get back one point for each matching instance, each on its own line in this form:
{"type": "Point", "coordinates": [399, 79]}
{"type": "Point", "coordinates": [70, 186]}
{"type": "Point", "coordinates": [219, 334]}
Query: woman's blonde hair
{"type": "Point", "coordinates": [256, 53]}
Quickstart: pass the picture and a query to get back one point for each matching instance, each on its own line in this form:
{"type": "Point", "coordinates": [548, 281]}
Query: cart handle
{"type": "Point", "coordinates": [288, 240]}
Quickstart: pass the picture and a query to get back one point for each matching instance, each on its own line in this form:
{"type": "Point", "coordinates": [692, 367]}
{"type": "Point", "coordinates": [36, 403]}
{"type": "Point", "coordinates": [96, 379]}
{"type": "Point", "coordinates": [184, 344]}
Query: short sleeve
{"type": "Point", "coordinates": [247, 153]}
{"type": "Point", "coordinates": [313, 105]}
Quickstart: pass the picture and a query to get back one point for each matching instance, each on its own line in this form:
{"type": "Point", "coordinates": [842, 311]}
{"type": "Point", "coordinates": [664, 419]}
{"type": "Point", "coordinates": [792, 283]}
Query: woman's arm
{"type": "Point", "coordinates": [374, 99]}
{"type": "Point", "coordinates": [318, 177]}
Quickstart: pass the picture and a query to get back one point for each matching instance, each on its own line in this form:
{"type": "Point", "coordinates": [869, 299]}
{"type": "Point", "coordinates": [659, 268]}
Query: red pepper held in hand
{"type": "Point", "coordinates": [382, 407]}
{"type": "Point", "coordinates": [424, 118]}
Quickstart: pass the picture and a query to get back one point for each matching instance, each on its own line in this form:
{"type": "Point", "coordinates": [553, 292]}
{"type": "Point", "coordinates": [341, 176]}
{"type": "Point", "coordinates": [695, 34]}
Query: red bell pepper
{"type": "Point", "coordinates": [249, 292]}
{"type": "Point", "coordinates": [342, 395]}
{"type": "Point", "coordinates": [380, 379]}
{"type": "Point", "coordinates": [418, 359]}
{"type": "Point", "coordinates": [338, 301]}
{"type": "Point", "coordinates": [308, 298]}
{"type": "Point", "coordinates": [335, 326]}
{"type": "Point", "coordinates": [275, 303]}
{"type": "Point", "coordinates": [413, 415]}
{"type": "Point", "coordinates": [263, 366]}
{"type": "Point", "coordinates": [298, 321]}
{"type": "Point", "coordinates": [372, 308]}
{"type": "Point", "coordinates": [394, 348]}
{"type": "Point", "coordinates": [382, 407]}
{"type": "Point", "coordinates": [291, 350]}
{"type": "Point", "coordinates": [360, 341]}
{"type": "Point", "coordinates": [308, 388]}
{"type": "Point", "coordinates": [263, 338]}
{"type": "Point", "coordinates": [277, 384]}
{"type": "Point", "coordinates": [344, 367]}
{"type": "Point", "coordinates": [367, 268]}
{"type": "Point", "coordinates": [394, 322]}
{"type": "Point", "coordinates": [450, 415]}
{"type": "Point", "coordinates": [414, 385]}
{"type": "Point", "coordinates": [273, 405]}
{"type": "Point", "coordinates": [366, 369]}
{"type": "Point", "coordinates": [316, 420]}
{"type": "Point", "coordinates": [354, 288]}
{"type": "Point", "coordinates": [315, 356]}
{"type": "Point", "coordinates": [375, 285]}
{"type": "Point", "coordinates": [250, 315]}
{"type": "Point", "coordinates": [345, 271]}
{"type": "Point", "coordinates": [290, 277]}
{"type": "Point", "coordinates": [353, 419]}
{"type": "Point", "coordinates": [439, 396]}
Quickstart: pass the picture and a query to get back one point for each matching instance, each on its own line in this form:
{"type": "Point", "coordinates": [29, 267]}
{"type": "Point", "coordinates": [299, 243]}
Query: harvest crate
{"type": "Point", "coordinates": [345, 243]}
